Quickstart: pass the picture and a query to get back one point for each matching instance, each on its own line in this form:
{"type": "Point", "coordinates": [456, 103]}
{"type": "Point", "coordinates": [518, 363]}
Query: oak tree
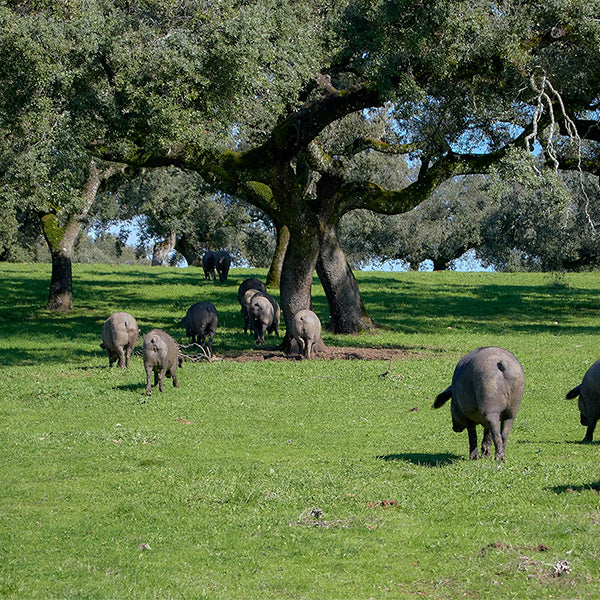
{"type": "Point", "coordinates": [243, 93]}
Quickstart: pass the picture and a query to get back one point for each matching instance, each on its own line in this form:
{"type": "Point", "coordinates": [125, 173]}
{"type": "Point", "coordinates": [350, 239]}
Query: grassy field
{"type": "Point", "coordinates": [293, 479]}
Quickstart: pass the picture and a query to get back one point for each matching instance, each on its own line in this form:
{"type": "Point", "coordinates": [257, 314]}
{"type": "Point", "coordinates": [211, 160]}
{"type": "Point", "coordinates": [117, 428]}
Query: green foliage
{"type": "Point", "coordinates": [194, 82]}
{"type": "Point", "coordinates": [341, 139]}
{"type": "Point", "coordinates": [450, 66]}
{"type": "Point", "coordinates": [515, 219]}
{"type": "Point", "coordinates": [46, 104]}
{"type": "Point", "coordinates": [540, 222]}
{"type": "Point", "coordinates": [162, 71]}
{"type": "Point", "coordinates": [8, 229]}
{"type": "Point", "coordinates": [190, 71]}
{"type": "Point", "coordinates": [171, 201]}
{"type": "Point", "coordinates": [208, 491]}
{"type": "Point", "coordinates": [20, 233]}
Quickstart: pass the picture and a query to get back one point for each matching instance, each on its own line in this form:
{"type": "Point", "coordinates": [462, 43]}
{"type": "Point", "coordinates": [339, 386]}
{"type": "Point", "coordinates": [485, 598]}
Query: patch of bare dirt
{"type": "Point", "coordinates": [324, 353]}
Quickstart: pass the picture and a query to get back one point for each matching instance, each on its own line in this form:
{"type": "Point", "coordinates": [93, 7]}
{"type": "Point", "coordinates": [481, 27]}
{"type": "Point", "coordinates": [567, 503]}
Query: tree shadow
{"type": "Point", "coordinates": [160, 298]}
{"type": "Point", "coordinates": [562, 489]}
{"type": "Point", "coordinates": [491, 308]}
{"type": "Point", "coordinates": [58, 355]}
{"type": "Point", "coordinates": [424, 460]}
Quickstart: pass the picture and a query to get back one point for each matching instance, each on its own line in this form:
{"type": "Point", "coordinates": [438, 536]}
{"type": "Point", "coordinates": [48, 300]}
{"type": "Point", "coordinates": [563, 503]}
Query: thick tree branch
{"type": "Point", "coordinates": [361, 144]}
{"type": "Point", "coordinates": [373, 197]}
{"type": "Point", "coordinates": [296, 131]}
{"type": "Point", "coordinates": [589, 165]}
{"type": "Point", "coordinates": [288, 137]}
{"type": "Point", "coordinates": [95, 178]}
{"type": "Point", "coordinates": [318, 160]}
{"type": "Point", "coordinates": [588, 129]}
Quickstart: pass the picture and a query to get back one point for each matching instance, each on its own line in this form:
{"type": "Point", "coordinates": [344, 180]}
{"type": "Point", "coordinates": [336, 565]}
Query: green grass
{"type": "Point", "coordinates": [220, 476]}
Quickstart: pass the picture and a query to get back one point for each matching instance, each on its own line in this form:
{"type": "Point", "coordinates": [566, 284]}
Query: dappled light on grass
{"type": "Point", "coordinates": [415, 304]}
{"type": "Point", "coordinates": [476, 302]}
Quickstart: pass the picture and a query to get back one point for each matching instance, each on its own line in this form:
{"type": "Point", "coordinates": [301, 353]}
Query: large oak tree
{"type": "Point", "coordinates": [244, 93]}
{"type": "Point", "coordinates": [465, 81]}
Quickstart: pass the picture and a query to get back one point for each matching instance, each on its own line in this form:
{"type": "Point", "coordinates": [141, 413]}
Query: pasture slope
{"type": "Point", "coordinates": [279, 478]}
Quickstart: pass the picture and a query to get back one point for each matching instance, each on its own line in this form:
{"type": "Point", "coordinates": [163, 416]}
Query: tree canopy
{"type": "Point", "coordinates": [538, 223]}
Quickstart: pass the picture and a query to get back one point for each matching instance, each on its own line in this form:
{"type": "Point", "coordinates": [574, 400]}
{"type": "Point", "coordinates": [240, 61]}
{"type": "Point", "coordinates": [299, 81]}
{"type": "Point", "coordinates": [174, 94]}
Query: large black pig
{"type": "Point", "coordinates": [487, 389]}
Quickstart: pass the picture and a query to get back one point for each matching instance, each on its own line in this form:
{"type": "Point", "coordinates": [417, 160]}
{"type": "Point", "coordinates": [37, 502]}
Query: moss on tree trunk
{"type": "Point", "coordinates": [274, 274]}
{"type": "Point", "coordinates": [61, 237]}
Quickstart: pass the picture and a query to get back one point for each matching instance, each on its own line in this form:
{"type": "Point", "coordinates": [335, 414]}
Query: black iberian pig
{"type": "Point", "coordinates": [487, 389]}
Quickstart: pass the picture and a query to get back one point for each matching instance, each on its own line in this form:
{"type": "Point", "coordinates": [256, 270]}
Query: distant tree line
{"type": "Point", "coordinates": [510, 224]}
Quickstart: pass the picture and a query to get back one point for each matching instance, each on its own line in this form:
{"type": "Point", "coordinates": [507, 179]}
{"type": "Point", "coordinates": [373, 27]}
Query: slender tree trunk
{"type": "Point", "coordinates": [347, 311]}
{"type": "Point", "coordinates": [162, 249]}
{"type": "Point", "coordinates": [440, 264]}
{"type": "Point", "coordinates": [274, 274]}
{"type": "Point", "coordinates": [61, 282]}
{"type": "Point", "coordinates": [61, 239]}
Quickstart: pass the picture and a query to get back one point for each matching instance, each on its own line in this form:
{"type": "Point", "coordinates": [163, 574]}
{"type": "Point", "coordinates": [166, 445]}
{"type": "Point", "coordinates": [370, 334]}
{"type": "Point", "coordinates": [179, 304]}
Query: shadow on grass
{"type": "Point", "coordinates": [139, 388]}
{"type": "Point", "coordinates": [57, 355]}
{"type": "Point", "coordinates": [424, 460]}
{"type": "Point", "coordinates": [160, 297]}
{"type": "Point", "coordinates": [413, 307]}
{"type": "Point", "coordinates": [563, 489]}
{"type": "Point", "coordinates": [545, 442]}
{"type": "Point", "coordinates": [583, 442]}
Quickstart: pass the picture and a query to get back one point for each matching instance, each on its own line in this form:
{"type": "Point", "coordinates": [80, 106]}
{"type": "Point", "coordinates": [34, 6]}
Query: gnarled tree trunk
{"type": "Point", "coordinates": [347, 311]}
{"type": "Point", "coordinates": [187, 250]}
{"type": "Point", "coordinates": [161, 250]}
{"type": "Point", "coordinates": [297, 277]}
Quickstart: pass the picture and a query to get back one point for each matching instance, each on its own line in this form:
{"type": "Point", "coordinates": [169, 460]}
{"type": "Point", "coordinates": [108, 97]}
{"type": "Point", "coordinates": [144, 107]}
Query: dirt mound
{"type": "Point", "coordinates": [326, 353]}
